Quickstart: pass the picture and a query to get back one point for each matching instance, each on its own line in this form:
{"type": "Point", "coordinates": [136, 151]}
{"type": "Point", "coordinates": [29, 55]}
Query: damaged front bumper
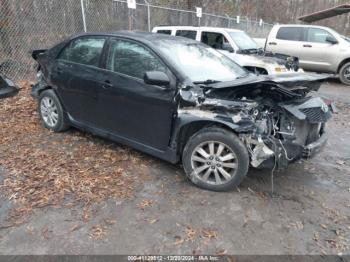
{"type": "Point", "coordinates": [279, 154]}
{"type": "Point", "coordinates": [315, 147]}
{"type": "Point", "coordinates": [298, 134]}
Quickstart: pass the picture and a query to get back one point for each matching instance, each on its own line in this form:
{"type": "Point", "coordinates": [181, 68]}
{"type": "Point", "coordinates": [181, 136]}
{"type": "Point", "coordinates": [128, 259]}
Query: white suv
{"type": "Point", "coordinates": [319, 48]}
{"type": "Point", "coordinates": [238, 46]}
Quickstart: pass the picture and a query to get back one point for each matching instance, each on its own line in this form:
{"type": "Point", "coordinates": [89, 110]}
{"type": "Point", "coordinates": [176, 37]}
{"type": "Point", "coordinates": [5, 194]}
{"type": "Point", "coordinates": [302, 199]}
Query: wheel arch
{"type": "Point", "coordinates": [44, 87]}
{"type": "Point", "coordinates": [189, 128]}
{"type": "Point", "coordinates": [346, 60]}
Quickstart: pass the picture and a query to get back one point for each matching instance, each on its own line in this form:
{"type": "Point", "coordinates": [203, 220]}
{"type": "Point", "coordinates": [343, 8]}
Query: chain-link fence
{"type": "Point", "coordinates": [34, 24]}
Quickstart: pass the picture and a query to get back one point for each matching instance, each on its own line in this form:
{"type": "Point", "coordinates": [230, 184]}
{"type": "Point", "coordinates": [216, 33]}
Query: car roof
{"type": "Point", "coordinates": [145, 37]}
{"type": "Point", "coordinates": [299, 25]}
{"type": "Point", "coordinates": [210, 28]}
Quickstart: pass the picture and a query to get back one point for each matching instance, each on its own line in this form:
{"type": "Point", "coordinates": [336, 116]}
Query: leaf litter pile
{"type": "Point", "coordinates": [42, 168]}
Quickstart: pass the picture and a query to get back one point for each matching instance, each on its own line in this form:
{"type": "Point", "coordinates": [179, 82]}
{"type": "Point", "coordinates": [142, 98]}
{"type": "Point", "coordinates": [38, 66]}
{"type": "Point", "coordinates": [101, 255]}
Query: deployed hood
{"type": "Point", "coordinates": [280, 88]}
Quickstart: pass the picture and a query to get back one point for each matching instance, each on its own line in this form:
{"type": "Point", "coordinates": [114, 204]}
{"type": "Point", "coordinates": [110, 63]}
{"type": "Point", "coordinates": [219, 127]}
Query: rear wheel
{"type": "Point", "coordinates": [51, 112]}
{"type": "Point", "coordinates": [215, 159]}
{"type": "Point", "coordinates": [344, 74]}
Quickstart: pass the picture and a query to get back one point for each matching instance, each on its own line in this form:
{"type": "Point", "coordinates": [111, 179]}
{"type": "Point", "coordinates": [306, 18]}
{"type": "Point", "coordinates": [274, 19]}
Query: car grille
{"type": "Point", "coordinates": [316, 115]}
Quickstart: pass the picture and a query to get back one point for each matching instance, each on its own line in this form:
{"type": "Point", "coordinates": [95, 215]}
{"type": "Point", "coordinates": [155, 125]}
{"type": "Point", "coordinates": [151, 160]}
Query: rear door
{"type": "Point", "coordinates": [315, 51]}
{"type": "Point", "coordinates": [74, 73]}
{"type": "Point", "coordinates": [126, 105]}
{"type": "Point", "coordinates": [286, 41]}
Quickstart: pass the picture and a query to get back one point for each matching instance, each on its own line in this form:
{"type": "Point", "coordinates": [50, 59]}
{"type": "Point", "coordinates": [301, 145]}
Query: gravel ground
{"type": "Point", "coordinates": [163, 213]}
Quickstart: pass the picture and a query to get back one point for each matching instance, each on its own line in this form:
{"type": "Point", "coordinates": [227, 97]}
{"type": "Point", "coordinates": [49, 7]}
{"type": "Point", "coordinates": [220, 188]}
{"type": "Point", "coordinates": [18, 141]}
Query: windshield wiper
{"type": "Point", "coordinates": [206, 82]}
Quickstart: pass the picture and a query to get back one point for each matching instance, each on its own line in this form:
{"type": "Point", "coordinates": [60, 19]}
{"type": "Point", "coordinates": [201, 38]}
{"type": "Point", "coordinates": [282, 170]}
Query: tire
{"type": "Point", "coordinates": [236, 167]}
{"type": "Point", "coordinates": [51, 112]}
{"type": "Point", "coordinates": [344, 74]}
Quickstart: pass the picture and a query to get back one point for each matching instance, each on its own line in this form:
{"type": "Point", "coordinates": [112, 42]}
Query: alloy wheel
{"type": "Point", "coordinates": [347, 73]}
{"type": "Point", "coordinates": [49, 111]}
{"type": "Point", "coordinates": [214, 162]}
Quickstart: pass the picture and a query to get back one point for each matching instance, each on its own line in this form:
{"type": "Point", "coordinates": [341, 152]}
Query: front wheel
{"type": "Point", "coordinates": [51, 112]}
{"type": "Point", "coordinates": [344, 74]}
{"type": "Point", "coordinates": [215, 159]}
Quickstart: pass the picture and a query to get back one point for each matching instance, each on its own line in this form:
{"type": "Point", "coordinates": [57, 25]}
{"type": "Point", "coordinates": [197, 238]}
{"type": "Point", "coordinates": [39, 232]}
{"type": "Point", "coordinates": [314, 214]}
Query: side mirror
{"type": "Point", "coordinates": [156, 78]}
{"type": "Point", "coordinates": [227, 47]}
{"type": "Point", "coordinates": [331, 40]}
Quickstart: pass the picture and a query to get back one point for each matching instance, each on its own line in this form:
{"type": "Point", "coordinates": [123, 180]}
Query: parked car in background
{"type": "Point", "coordinates": [260, 42]}
{"type": "Point", "coordinates": [320, 49]}
{"type": "Point", "coordinates": [238, 46]}
{"type": "Point", "coordinates": [176, 98]}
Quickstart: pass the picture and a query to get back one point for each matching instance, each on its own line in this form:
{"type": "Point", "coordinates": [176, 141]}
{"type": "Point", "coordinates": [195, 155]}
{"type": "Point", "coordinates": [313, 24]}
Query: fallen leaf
{"type": "Point", "coordinates": [209, 234]}
{"type": "Point", "coordinates": [74, 228]}
{"type": "Point", "coordinates": [145, 203]}
{"type": "Point", "coordinates": [152, 221]}
{"type": "Point", "coordinates": [178, 240]}
{"type": "Point", "coordinates": [110, 222]}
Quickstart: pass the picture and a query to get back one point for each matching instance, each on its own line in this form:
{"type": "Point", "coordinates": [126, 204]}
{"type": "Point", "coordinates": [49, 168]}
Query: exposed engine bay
{"type": "Point", "coordinates": [280, 120]}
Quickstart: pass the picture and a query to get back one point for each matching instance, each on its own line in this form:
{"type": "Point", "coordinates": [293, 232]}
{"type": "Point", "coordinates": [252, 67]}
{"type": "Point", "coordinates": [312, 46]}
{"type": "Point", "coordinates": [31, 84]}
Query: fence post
{"type": "Point", "coordinates": [229, 21]}
{"type": "Point", "coordinates": [83, 13]}
{"type": "Point", "coordinates": [148, 16]}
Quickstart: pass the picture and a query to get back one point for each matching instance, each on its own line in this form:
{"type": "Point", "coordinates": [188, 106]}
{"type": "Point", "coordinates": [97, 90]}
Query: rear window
{"type": "Point", "coordinates": [290, 33]}
{"type": "Point", "coordinates": [84, 50]}
{"type": "Point", "coordinates": [165, 32]}
{"type": "Point", "coordinates": [187, 33]}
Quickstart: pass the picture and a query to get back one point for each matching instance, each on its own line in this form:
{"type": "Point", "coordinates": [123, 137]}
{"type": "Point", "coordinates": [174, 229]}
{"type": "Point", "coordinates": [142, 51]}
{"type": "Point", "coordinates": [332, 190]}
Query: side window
{"type": "Point", "coordinates": [84, 50]}
{"type": "Point", "coordinates": [290, 33]}
{"type": "Point", "coordinates": [165, 32]}
{"type": "Point", "coordinates": [187, 33]}
{"type": "Point", "coordinates": [215, 40]}
{"type": "Point", "coordinates": [317, 35]}
{"type": "Point", "coordinates": [132, 59]}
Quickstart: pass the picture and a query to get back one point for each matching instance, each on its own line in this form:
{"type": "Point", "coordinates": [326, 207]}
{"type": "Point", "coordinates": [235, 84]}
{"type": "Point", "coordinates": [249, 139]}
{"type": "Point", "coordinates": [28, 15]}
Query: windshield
{"type": "Point", "coordinates": [243, 41]}
{"type": "Point", "coordinates": [201, 63]}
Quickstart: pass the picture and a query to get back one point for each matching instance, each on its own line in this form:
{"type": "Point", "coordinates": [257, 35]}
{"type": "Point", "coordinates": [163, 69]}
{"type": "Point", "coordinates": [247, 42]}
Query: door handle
{"type": "Point", "coordinates": [307, 45]}
{"type": "Point", "coordinates": [272, 43]}
{"type": "Point", "coordinates": [107, 84]}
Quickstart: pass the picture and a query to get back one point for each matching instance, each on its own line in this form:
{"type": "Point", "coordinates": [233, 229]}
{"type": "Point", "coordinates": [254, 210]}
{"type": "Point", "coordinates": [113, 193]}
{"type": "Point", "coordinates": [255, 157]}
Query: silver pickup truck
{"type": "Point", "coordinates": [319, 49]}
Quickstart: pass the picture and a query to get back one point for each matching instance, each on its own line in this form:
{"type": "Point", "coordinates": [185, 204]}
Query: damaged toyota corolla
{"type": "Point", "coordinates": [178, 99]}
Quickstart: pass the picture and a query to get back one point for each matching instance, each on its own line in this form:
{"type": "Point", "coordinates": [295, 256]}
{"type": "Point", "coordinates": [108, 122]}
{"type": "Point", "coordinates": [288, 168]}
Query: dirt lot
{"type": "Point", "coordinates": [73, 193]}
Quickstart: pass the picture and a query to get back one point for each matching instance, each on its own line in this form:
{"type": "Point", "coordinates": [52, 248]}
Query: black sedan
{"type": "Point", "coordinates": [178, 99]}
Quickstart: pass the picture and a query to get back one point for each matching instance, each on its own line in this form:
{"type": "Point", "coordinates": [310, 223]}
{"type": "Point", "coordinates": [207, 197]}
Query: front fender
{"type": "Point", "coordinates": [187, 116]}
{"type": "Point", "coordinates": [197, 119]}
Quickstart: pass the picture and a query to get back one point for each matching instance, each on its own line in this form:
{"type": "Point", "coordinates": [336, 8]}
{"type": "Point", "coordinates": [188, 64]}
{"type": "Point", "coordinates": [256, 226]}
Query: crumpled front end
{"type": "Point", "coordinates": [288, 133]}
{"type": "Point", "coordinates": [279, 123]}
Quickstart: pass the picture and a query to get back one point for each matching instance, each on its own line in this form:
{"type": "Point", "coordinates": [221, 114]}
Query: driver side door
{"type": "Point", "coordinates": [127, 106]}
